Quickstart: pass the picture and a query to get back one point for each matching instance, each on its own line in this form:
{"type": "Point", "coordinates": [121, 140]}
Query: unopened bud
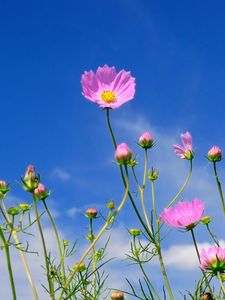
{"type": "Point", "coordinates": [215, 154]}
{"type": "Point", "coordinates": [91, 213]}
{"type": "Point", "coordinates": [146, 140]}
{"type": "Point", "coordinates": [206, 296]}
{"type": "Point", "coordinates": [65, 243]}
{"type": "Point", "coordinates": [111, 205]}
{"type": "Point", "coordinates": [117, 295]}
{"type": "Point", "coordinates": [4, 188]}
{"type": "Point", "coordinates": [135, 231]}
{"type": "Point", "coordinates": [30, 181]}
{"type": "Point", "coordinates": [79, 267]}
{"type": "Point", "coordinates": [41, 192]}
{"type": "Point", "coordinates": [205, 220]}
{"type": "Point", "coordinates": [153, 174]}
{"type": "Point", "coordinates": [13, 211]}
{"type": "Point", "coordinates": [24, 207]}
{"type": "Point", "coordinates": [123, 154]}
{"type": "Point", "coordinates": [90, 237]}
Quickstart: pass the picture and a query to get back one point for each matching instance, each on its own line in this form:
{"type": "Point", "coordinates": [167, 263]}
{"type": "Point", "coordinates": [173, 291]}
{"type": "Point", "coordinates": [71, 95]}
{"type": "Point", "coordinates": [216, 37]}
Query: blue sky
{"type": "Point", "coordinates": [176, 51]}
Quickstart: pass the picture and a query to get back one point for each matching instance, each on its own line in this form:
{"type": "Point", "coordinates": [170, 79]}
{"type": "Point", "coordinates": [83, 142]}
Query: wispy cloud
{"type": "Point", "coordinates": [73, 211]}
{"type": "Point", "coordinates": [60, 174]}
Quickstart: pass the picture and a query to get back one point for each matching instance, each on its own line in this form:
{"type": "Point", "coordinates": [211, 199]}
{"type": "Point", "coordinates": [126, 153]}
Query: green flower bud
{"type": "Point", "coordinates": [13, 211]}
{"type": "Point", "coordinates": [135, 231]}
{"type": "Point", "coordinates": [79, 267]}
{"type": "Point", "coordinates": [24, 207]}
{"type": "Point", "coordinates": [205, 220]}
{"type": "Point", "coordinates": [111, 205]}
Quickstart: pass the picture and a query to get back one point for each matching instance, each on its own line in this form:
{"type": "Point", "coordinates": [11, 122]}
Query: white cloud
{"type": "Point", "coordinates": [61, 174]}
{"type": "Point", "coordinates": [73, 211]}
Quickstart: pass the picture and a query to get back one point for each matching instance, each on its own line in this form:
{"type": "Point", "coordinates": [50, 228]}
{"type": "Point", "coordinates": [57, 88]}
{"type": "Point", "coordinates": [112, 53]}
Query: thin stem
{"type": "Point", "coordinates": [183, 186]}
{"type": "Point", "coordinates": [62, 261]}
{"type": "Point", "coordinates": [93, 258]}
{"type": "Point", "coordinates": [7, 253]}
{"type": "Point", "coordinates": [30, 279]}
{"type": "Point", "coordinates": [44, 248]}
{"type": "Point", "coordinates": [221, 282]}
{"type": "Point", "coordinates": [143, 270]}
{"type": "Point", "coordinates": [197, 252]}
{"type": "Point", "coordinates": [219, 186]}
{"type": "Point", "coordinates": [212, 235]}
{"type": "Point", "coordinates": [110, 128]}
{"type": "Point", "coordinates": [158, 246]}
{"type": "Point", "coordinates": [105, 226]}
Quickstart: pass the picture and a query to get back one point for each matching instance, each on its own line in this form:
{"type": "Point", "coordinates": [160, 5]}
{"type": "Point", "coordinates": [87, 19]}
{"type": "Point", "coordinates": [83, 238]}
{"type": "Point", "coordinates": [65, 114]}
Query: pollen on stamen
{"type": "Point", "coordinates": [108, 96]}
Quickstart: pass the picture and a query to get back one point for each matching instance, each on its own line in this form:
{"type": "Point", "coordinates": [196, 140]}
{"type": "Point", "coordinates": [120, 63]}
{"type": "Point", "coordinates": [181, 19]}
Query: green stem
{"type": "Point", "coordinates": [62, 261]}
{"type": "Point", "coordinates": [197, 252]}
{"type": "Point", "coordinates": [17, 241]}
{"type": "Point", "coordinates": [212, 235]}
{"type": "Point", "coordinates": [93, 258]}
{"type": "Point", "coordinates": [183, 186]}
{"type": "Point", "coordinates": [110, 128]}
{"type": "Point", "coordinates": [221, 282]}
{"type": "Point", "coordinates": [52, 294]}
{"type": "Point", "coordinates": [7, 253]}
{"type": "Point", "coordinates": [105, 226]}
{"type": "Point", "coordinates": [158, 246]}
{"type": "Point", "coordinates": [219, 186]}
{"type": "Point", "coordinates": [143, 270]}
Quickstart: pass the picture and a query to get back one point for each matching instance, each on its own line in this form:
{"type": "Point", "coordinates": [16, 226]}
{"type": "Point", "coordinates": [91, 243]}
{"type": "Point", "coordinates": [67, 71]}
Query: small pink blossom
{"type": "Point", "coordinates": [184, 151]}
{"type": "Point", "coordinates": [41, 192]}
{"type": "Point", "coordinates": [107, 88]}
{"type": "Point", "coordinates": [184, 214]}
{"type": "Point", "coordinates": [146, 140]}
{"type": "Point", "coordinates": [123, 154]}
{"type": "Point", "coordinates": [213, 259]}
{"type": "Point", "coordinates": [215, 154]}
{"type": "Point", "coordinates": [91, 212]}
{"type": "Point", "coordinates": [3, 183]}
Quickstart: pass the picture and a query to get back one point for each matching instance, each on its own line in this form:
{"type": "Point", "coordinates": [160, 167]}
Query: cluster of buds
{"type": "Point", "coordinates": [146, 140]}
{"type": "Point", "coordinates": [215, 154]}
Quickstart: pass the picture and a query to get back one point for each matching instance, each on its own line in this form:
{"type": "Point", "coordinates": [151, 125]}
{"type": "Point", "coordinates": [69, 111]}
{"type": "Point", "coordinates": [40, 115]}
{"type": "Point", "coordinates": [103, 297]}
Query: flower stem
{"type": "Point", "coordinates": [93, 258]}
{"type": "Point", "coordinates": [52, 295]}
{"type": "Point", "coordinates": [183, 186]}
{"type": "Point", "coordinates": [221, 282]}
{"type": "Point", "coordinates": [30, 279]}
{"type": "Point", "coordinates": [62, 262]}
{"type": "Point", "coordinates": [7, 253]}
{"type": "Point", "coordinates": [219, 186]}
{"type": "Point", "coordinates": [212, 235]}
{"type": "Point", "coordinates": [105, 226]}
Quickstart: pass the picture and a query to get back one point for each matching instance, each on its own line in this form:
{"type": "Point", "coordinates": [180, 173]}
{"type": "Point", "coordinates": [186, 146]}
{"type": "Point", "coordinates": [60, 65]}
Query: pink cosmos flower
{"type": "Point", "coordinates": [215, 154]}
{"type": "Point", "coordinates": [213, 259]}
{"type": "Point", "coordinates": [107, 88]}
{"type": "Point", "coordinates": [123, 154]}
{"type": "Point", "coordinates": [184, 151]}
{"type": "Point", "coordinates": [184, 214]}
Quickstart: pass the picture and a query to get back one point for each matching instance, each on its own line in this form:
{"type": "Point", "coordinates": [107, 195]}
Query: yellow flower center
{"type": "Point", "coordinates": [108, 96]}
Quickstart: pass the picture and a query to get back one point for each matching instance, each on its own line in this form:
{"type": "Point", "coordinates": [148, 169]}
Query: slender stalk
{"type": "Point", "coordinates": [212, 235]}
{"type": "Point", "coordinates": [52, 294]}
{"type": "Point", "coordinates": [197, 252]}
{"type": "Point", "coordinates": [26, 267]}
{"type": "Point", "coordinates": [219, 186]}
{"type": "Point", "coordinates": [110, 128]}
{"type": "Point", "coordinates": [62, 260]}
{"type": "Point", "coordinates": [7, 253]}
{"type": "Point", "coordinates": [93, 258]}
{"type": "Point", "coordinates": [158, 246]}
{"type": "Point", "coordinates": [183, 186]}
{"type": "Point", "coordinates": [143, 270]}
{"type": "Point", "coordinates": [105, 226]}
{"type": "Point", "coordinates": [221, 282]}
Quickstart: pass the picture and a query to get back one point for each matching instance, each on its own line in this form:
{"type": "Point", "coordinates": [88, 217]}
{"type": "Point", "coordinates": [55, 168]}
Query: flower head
{"type": "Point", "coordinates": [184, 214]}
{"type": "Point", "coordinates": [41, 192]}
{"type": "Point", "coordinates": [91, 213]}
{"type": "Point", "coordinates": [123, 154]}
{"type": "Point", "coordinates": [30, 180]}
{"type": "Point", "coordinates": [213, 259]}
{"type": "Point", "coordinates": [146, 140]}
{"type": "Point", "coordinates": [117, 295]}
{"type": "Point", "coordinates": [107, 88]}
{"type": "Point", "coordinates": [184, 151]}
{"type": "Point", "coordinates": [215, 154]}
{"type": "Point", "coordinates": [4, 188]}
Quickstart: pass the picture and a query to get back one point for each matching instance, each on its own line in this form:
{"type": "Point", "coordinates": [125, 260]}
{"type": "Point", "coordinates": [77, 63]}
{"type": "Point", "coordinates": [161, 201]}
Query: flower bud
{"type": "Point", "coordinates": [30, 181]}
{"type": "Point", "coordinates": [146, 140]}
{"type": "Point", "coordinates": [41, 192]}
{"type": "Point", "coordinates": [206, 296]}
{"type": "Point", "coordinates": [90, 237]}
{"type": "Point", "coordinates": [215, 154]}
{"type": "Point", "coordinates": [153, 175]}
{"type": "Point", "coordinates": [4, 188]}
{"type": "Point", "coordinates": [13, 211]}
{"type": "Point", "coordinates": [91, 213]}
{"type": "Point", "coordinates": [24, 207]}
{"type": "Point", "coordinates": [205, 220]}
{"type": "Point", "coordinates": [135, 231]}
{"type": "Point", "coordinates": [117, 295]}
{"type": "Point", "coordinates": [79, 267]}
{"type": "Point", "coordinates": [65, 243]}
{"type": "Point", "coordinates": [123, 154]}
{"type": "Point", "coordinates": [111, 205]}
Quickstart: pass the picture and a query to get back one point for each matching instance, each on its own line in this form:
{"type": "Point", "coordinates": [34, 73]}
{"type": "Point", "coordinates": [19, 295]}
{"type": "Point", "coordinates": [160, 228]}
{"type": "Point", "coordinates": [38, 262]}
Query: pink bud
{"type": "Point", "coordinates": [30, 171]}
{"type": "Point", "coordinates": [91, 212]}
{"type": "Point", "coordinates": [117, 296]}
{"type": "Point", "coordinates": [123, 154]}
{"type": "Point", "coordinates": [146, 140]}
{"type": "Point", "coordinates": [215, 154]}
{"type": "Point", "coordinates": [3, 183]}
{"type": "Point", "coordinates": [41, 192]}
